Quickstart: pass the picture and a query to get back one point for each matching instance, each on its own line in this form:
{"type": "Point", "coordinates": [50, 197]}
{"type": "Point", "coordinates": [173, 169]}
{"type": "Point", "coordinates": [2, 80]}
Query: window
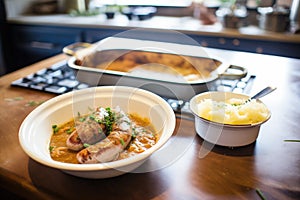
{"type": "Point", "coordinates": [172, 3]}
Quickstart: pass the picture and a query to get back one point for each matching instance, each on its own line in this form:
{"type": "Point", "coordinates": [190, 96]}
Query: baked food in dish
{"type": "Point", "coordinates": [189, 67]}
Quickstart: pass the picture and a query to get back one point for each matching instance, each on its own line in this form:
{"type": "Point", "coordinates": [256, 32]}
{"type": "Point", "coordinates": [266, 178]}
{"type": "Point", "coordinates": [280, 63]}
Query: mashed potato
{"type": "Point", "coordinates": [233, 111]}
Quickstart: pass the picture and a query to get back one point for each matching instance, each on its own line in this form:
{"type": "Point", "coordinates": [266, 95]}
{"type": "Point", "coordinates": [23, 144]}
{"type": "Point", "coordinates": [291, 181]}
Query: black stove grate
{"type": "Point", "coordinates": [59, 79]}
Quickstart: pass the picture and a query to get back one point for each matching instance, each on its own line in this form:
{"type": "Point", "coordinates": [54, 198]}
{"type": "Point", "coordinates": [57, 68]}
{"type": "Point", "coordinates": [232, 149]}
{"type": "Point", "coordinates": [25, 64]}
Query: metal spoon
{"type": "Point", "coordinates": [263, 92]}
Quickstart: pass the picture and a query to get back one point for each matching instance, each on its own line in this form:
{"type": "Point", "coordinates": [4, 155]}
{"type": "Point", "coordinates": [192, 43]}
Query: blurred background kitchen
{"type": "Point", "coordinates": [32, 30]}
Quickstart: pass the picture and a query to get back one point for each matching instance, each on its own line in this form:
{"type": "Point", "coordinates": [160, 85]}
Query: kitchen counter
{"type": "Point", "coordinates": [188, 25]}
{"type": "Point", "coordinates": [31, 36]}
{"type": "Point", "coordinates": [270, 165]}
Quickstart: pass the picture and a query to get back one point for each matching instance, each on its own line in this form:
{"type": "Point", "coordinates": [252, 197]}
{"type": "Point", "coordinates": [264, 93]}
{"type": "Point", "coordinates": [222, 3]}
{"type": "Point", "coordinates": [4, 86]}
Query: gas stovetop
{"type": "Point", "coordinates": [59, 79]}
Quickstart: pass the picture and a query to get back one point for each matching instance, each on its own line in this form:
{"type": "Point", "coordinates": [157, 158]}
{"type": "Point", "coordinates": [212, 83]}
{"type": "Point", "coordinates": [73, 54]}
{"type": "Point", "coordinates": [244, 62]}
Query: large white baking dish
{"type": "Point", "coordinates": [162, 82]}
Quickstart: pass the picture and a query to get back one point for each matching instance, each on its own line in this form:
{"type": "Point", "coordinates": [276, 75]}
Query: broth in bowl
{"type": "Point", "coordinates": [104, 135]}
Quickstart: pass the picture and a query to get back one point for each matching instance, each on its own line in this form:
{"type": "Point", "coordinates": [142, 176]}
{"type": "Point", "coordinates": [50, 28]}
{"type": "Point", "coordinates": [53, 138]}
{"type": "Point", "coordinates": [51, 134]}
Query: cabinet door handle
{"type": "Point", "coordinates": [42, 45]}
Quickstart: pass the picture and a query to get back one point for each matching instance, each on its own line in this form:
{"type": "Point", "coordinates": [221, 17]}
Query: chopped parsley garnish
{"type": "Point", "coordinates": [51, 148]}
{"type": "Point", "coordinates": [34, 103]}
{"type": "Point", "coordinates": [239, 104]}
{"type": "Point", "coordinates": [134, 133]}
{"type": "Point", "coordinates": [92, 117]}
{"type": "Point", "coordinates": [81, 119]}
{"type": "Point", "coordinates": [260, 194]}
{"type": "Point", "coordinates": [14, 99]}
{"type": "Point", "coordinates": [86, 145]}
{"type": "Point", "coordinates": [69, 131]}
{"type": "Point", "coordinates": [292, 140]}
{"type": "Point", "coordinates": [109, 120]}
{"type": "Point", "coordinates": [55, 128]}
{"type": "Point", "coordinates": [122, 142]}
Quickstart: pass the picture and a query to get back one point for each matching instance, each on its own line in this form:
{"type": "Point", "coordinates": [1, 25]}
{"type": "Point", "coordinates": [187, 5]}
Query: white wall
{"type": "Point", "coordinates": [17, 7]}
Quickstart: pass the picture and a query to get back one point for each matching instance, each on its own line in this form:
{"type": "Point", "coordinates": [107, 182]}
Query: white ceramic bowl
{"type": "Point", "coordinates": [35, 131]}
{"type": "Point", "coordinates": [224, 134]}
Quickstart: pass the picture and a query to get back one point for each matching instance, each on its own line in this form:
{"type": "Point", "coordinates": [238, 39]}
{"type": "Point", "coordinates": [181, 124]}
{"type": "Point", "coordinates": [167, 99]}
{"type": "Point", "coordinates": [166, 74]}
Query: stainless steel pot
{"type": "Point", "coordinates": [162, 81]}
{"type": "Point", "coordinates": [273, 19]}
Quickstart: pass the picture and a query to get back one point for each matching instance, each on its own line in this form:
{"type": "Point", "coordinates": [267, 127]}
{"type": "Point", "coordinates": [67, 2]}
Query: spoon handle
{"type": "Point", "coordinates": [264, 92]}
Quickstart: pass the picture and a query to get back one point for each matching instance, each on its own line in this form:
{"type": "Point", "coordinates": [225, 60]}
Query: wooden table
{"type": "Point", "coordinates": [271, 165]}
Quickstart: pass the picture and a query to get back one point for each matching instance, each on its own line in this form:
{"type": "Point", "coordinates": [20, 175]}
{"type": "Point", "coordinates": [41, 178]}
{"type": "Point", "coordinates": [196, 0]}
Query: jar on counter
{"type": "Point", "coordinates": [70, 5]}
{"type": "Point", "coordinates": [273, 18]}
{"type": "Point", "coordinates": [45, 7]}
{"type": "Point", "coordinates": [232, 15]}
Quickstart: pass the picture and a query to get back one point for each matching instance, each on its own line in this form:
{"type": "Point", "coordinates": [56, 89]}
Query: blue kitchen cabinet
{"type": "Point", "coordinates": [270, 47]}
{"type": "Point", "coordinates": [32, 43]}
{"type": "Point", "coordinates": [92, 35]}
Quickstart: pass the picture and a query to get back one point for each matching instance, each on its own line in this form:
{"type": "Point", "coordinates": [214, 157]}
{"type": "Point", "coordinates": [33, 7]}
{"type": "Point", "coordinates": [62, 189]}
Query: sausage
{"type": "Point", "coordinates": [106, 150]}
{"type": "Point", "coordinates": [88, 131]}
{"type": "Point", "coordinates": [73, 142]}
